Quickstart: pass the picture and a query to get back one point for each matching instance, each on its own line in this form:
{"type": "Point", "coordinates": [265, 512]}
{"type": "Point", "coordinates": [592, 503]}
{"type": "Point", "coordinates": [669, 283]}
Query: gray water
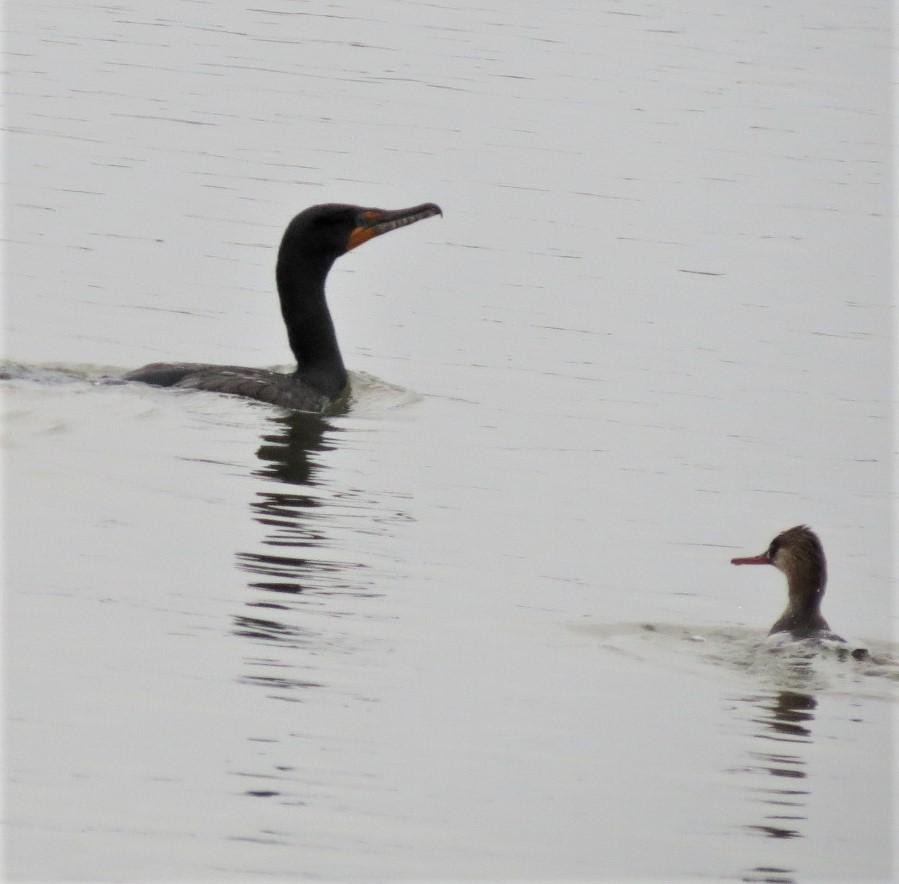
{"type": "Point", "coordinates": [483, 625]}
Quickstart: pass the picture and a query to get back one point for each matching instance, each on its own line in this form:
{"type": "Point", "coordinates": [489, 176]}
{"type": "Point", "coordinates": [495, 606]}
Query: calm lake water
{"type": "Point", "coordinates": [484, 624]}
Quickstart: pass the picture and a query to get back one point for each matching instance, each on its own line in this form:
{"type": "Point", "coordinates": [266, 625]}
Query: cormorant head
{"type": "Point", "coordinates": [323, 233]}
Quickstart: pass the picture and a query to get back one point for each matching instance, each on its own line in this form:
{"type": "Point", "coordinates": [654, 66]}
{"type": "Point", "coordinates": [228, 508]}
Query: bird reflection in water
{"type": "Point", "coordinates": [288, 456]}
{"type": "Point", "coordinates": [785, 718]}
{"type": "Point", "coordinates": [293, 567]}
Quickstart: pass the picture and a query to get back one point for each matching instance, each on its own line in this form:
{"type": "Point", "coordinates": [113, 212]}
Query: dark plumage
{"type": "Point", "coordinates": [314, 239]}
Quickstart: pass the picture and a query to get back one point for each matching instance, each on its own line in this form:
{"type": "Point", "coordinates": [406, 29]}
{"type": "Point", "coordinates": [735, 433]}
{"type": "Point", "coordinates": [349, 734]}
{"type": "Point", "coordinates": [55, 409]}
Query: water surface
{"type": "Point", "coordinates": [482, 625]}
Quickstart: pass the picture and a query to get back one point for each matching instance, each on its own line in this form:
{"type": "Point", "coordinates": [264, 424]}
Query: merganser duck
{"type": "Point", "coordinates": [797, 552]}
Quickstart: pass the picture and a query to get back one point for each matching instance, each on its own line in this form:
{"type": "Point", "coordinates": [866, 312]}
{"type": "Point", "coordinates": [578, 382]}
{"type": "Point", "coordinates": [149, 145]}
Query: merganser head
{"type": "Point", "coordinates": [798, 554]}
{"type": "Point", "coordinates": [796, 549]}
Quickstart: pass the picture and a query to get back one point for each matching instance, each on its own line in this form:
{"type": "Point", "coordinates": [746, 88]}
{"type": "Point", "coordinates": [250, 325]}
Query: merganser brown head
{"type": "Point", "coordinates": [797, 552]}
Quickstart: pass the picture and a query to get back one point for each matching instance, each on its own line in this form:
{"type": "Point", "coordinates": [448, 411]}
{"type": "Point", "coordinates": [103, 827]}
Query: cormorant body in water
{"type": "Point", "coordinates": [314, 239]}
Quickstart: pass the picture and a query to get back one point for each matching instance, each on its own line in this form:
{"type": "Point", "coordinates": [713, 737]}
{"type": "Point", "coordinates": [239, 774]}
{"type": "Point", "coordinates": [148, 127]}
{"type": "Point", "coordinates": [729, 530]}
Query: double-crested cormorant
{"type": "Point", "coordinates": [798, 554]}
{"type": "Point", "coordinates": [314, 239]}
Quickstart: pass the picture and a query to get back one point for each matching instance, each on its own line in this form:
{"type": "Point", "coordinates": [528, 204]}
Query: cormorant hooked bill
{"type": "Point", "coordinates": [314, 239]}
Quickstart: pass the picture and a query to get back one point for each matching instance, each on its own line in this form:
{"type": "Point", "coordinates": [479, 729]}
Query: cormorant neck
{"type": "Point", "coordinates": [310, 330]}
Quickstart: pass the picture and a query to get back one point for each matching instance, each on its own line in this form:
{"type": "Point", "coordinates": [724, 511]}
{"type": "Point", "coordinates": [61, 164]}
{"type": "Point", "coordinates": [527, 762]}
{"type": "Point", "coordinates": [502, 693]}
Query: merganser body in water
{"type": "Point", "coordinates": [313, 240]}
{"type": "Point", "coordinates": [797, 553]}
